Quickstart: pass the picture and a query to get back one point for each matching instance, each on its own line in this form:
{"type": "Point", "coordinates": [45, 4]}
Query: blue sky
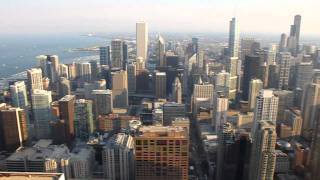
{"type": "Point", "coordinates": [50, 16]}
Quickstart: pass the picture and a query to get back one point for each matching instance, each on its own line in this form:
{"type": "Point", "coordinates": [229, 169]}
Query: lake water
{"type": "Point", "coordinates": [17, 52]}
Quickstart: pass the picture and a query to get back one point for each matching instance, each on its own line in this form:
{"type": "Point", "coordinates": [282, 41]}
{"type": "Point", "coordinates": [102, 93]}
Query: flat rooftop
{"type": "Point", "coordinates": [162, 132]}
{"type": "Point", "coordinates": [31, 176]}
{"type": "Point", "coordinates": [67, 98]}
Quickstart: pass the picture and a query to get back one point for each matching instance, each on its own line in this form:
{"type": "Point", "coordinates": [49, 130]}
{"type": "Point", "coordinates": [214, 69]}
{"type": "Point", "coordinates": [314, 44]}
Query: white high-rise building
{"type": "Point", "coordinates": [203, 90]}
{"type": "Point", "coordinates": [263, 156]}
{"type": "Point", "coordinates": [177, 91]}
{"type": "Point", "coordinates": [266, 108]}
{"type": "Point", "coordinates": [142, 40]}
{"type": "Point", "coordinates": [202, 93]}
{"type": "Point", "coordinates": [41, 108]}
{"type": "Point", "coordinates": [234, 39]}
{"type": "Point", "coordinates": [118, 157]}
{"type": "Point", "coordinates": [222, 82]}
{"type": "Point", "coordinates": [19, 94]}
{"type": "Point", "coordinates": [285, 59]}
{"type": "Point", "coordinates": [220, 108]}
{"type": "Point", "coordinates": [34, 79]}
{"type": "Point", "coordinates": [234, 67]}
{"type": "Point", "coordinates": [160, 51]}
{"type": "Point", "coordinates": [254, 88]}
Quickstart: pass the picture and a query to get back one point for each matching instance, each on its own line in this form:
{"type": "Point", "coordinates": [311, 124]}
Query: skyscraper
{"type": "Point", "coordinates": [13, 127]}
{"type": "Point", "coordinates": [176, 91]}
{"type": "Point", "coordinates": [118, 157]}
{"type": "Point", "coordinates": [234, 68]}
{"type": "Point", "coordinates": [203, 90]}
{"type": "Point", "coordinates": [160, 84]}
{"type": "Point", "coordinates": [84, 71]}
{"type": "Point", "coordinates": [119, 89]}
{"type": "Point", "coordinates": [233, 38]}
{"type": "Point", "coordinates": [195, 45]}
{"type": "Point", "coordinates": [34, 79]}
{"type": "Point", "coordinates": [310, 102]}
{"type": "Point", "coordinates": [286, 99]}
{"type": "Point", "coordinates": [49, 65]}
{"type": "Point", "coordinates": [254, 88]}
{"type": "Point", "coordinates": [63, 71]}
{"type": "Point", "coordinates": [104, 55]}
{"type": "Point", "coordinates": [294, 119]}
{"type": "Point", "coordinates": [116, 53]}
{"type": "Point", "coordinates": [273, 76]}
{"type": "Point", "coordinates": [102, 102]}
{"type": "Point", "coordinates": [304, 73]}
{"type": "Point", "coordinates": [67, 111]}
{"type": "Point", "coordinates": [222, 83]}
{"type": "Point", "coordinates": [167, 156]}
{"type": "Point", "coordinates": [83, 119]}
{"type": "Point", "coordinates": [95, 69]}
{"type": "Point", "coordinates": [251, 70]}
{"type": "Point", "coordinates": [19, 94]}
{"type": "Point", "coordinates": [220, 108]}
{"type": "Point", "coordinates": [263, 158]}
{"type": "Point", "coordinates": [72, 71]}
{"type": "Point", "coordinates": [266, 107]}
{"type": "Point", "coordinates": [125, 54]}
{"type": "Point", "coordinates": [284, 70]}
{"type": "Point", "coordinates": [160, 51]}
{"type": "Point", "coordinates": [132, 77]}
{"type": "Point", "coordinates": [41, 108]}
{"type": "Point", "coordinates": [53, 67]}
{"type": "Point", "coordinates": [315, 150]}
{"type": "Point", "coordinates": [142, 40]}
{"type": "Point", "coordinates": [171, 111]}
{"type": "Point", "coordinates": [295, 32]}
{"type": "Point", "coordinates": [64, 87]}
{"type": "Point", "coordinates": [283, 42]}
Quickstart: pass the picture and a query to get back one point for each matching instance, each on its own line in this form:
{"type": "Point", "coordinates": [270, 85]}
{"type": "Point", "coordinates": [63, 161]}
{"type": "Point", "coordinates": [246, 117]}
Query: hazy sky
{"type": "Point", "coordinates": [47, 16]}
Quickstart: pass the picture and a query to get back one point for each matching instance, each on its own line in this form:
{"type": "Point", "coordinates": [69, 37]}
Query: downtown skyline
{"type": "Point", "coordinates": [107, 16]}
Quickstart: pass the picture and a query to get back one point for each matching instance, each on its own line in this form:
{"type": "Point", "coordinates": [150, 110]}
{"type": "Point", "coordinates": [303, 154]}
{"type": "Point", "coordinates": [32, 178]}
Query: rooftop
{"type": "Point", "coordinates": [97, 91]}
{"type": "Point", "coordinates": [162, 131]}
{"type": "Point", "coordinates": [67, 98]}
{"type": "Point", "coordinates": [31, 175]}
{"type": "Point", "coordinates": [38, 153]}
